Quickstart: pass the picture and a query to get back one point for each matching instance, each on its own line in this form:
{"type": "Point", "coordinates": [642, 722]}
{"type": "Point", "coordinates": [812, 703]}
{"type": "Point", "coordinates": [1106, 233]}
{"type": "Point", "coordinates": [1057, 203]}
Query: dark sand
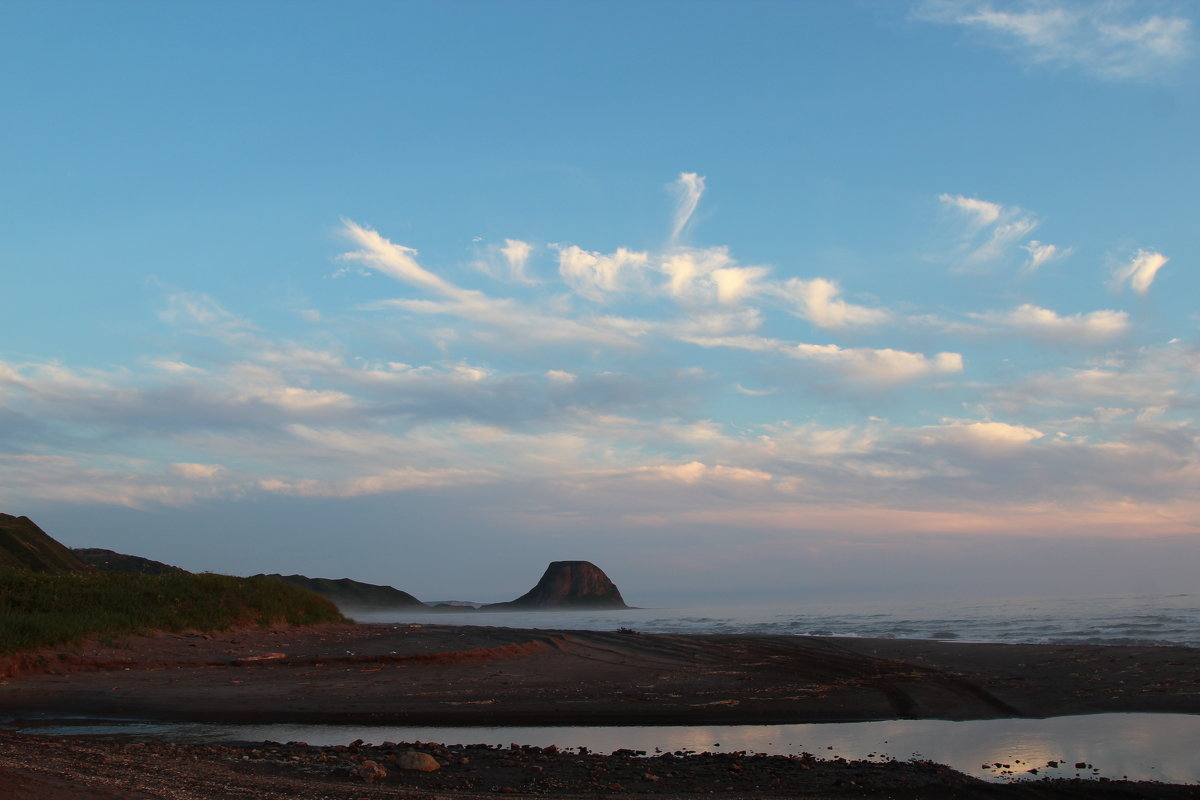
{"type": "Point", "coordinates": [447, 675]}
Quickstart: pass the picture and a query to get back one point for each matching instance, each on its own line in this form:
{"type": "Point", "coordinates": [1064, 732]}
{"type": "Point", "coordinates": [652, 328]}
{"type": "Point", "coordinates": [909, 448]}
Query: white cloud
{"type": "Point", "coordinates": [735, 284]}
{"type": "Point", "coordinates": [517, 254]}
{"type": "Point", "coordinates": [753, 392]}
{"type": "Point", "coordinates": [399, 262]}
{"type": "Point", "coordinates": [179, 367]}
{"type": "Point", "coordinates": [689, 188]}
{"type": "Point", "coordinates": [691, 275]}
{"type": "Point", "coordinates": [1141, 270]}
{"type": "Point", "coordinates": [980, 213]}
{"type": "Point", "coordinates": [879, 366]}
{"type": "Point", "coordinates": [196, 472]}
{"type": "Point", "coordinates": [992, 438]}
{"type": "Point", "coordinates": [197, 310]}
{"type": "Point", "coordinates": [1041, 254]}
{"type": "Point", "coordinates": [817, 301]}
{"type": "Point", "coordinates": [595, 275]}
{"type": "Point", "coordinates": [395, 480]}
{"type": "Point", "coordinates": [538, 398]}
{"type": "Point", "coordinates": [696, 472]}
{"type": "Point", "coordinates": [1042, 323]}
{"type": "Point", "coordinates": [1111, 40]}
{"type": "Point", "coordinates": [990, 230]}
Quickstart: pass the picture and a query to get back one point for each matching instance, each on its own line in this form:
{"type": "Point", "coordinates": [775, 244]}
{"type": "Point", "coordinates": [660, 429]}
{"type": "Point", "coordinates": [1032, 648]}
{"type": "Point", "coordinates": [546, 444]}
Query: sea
{"type": "Point", "coordinates": [1159, 747]}
{"type": "Point", "coordinates": [1135, 619]}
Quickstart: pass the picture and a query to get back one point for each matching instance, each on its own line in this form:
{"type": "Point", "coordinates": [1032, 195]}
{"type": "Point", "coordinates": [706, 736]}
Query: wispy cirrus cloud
{"type": "Point", "coordinates": [877, 366]}
{"type": "Point", "coordinates": [1139, 273]}
{"type": "Point", "coordinates": [1112, 40]}
{"type": "Point", "coordinates": [1041, 254]}
{"type": "Point", "coordinates": [688, 188]}
{"type": "Point", "coordinates": [990, 231]}
{"type": "Point", "coordinates": [600, 394]}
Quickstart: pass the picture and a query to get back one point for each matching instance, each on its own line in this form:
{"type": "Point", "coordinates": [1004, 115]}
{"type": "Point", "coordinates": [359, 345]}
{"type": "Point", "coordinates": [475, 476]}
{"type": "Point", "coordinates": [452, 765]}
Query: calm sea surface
{"type": "Point", "coordinates": [1132, 619]}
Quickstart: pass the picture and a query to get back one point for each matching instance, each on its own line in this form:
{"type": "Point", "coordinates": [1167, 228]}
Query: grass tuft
{"type": "Point", "coordinates": [40, 610]}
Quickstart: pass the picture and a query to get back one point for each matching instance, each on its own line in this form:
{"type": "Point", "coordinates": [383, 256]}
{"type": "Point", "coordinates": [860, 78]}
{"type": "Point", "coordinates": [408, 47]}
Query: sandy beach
{"type": "Point", "coordinates": [448, 675]}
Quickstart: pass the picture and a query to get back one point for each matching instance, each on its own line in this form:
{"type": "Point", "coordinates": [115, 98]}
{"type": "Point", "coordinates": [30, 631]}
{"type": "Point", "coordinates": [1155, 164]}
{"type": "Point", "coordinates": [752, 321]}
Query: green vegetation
{"type": "Point", "coordinates": [23, 545]}
{"type": "Point", "coordinates": [45, 610]}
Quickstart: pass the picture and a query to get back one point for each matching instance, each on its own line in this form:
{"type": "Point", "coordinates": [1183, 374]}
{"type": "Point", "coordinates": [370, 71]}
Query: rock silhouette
{"type": "Point", "coordinates": [111, 561]}
{"type": "Point", "coordinates": [567, 585]}
{"type": "Point", "coordinates": [347, 593]}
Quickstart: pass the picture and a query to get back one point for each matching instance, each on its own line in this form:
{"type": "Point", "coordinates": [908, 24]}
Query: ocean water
{"type": "Point", "coordinates": [1107, 620]}
{"type": "Point", "coordinates": [1137, 746]}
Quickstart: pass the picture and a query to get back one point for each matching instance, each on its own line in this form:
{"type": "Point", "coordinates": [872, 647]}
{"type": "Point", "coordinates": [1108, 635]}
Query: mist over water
{"type": "Point", "coordinates": [1107, 620]}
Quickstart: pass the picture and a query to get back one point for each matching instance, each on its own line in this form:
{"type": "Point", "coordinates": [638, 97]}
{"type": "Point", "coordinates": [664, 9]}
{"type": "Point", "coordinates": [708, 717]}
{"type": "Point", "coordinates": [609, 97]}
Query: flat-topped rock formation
{"type": "Point", "coordinates": [567, 585]}
{"type": "Point", "coordinates": [112, 561]}
{"type": "Point", "coordinates": [347, 593]}
{"type": "Point", "coordinates": [25, 546]}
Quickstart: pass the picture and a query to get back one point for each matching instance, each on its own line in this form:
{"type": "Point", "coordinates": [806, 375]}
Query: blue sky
{"type": "Point", "coordinates": [734, 299]}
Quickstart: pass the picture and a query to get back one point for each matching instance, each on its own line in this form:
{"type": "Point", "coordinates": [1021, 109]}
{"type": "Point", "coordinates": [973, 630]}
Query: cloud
{"type": "Point", "coordinates": [539, 407]}
{"type": "Point", "coordinates": [1141, 270]}
{"type": "Point", "coordinates": [1041, 254]}
{"type": "Point", "coordinates": [196, 472]}
{"type": "Point", "coordinates": [1111, 40]}
{"type": "Point", "coordinates": [399, 262]}
{"type": "Point", "coordinates": [990, 231]}
{"type": "Point", "coordinates": [818, 302]}
{"type": "Point", "coordinates": [595, 275]}
{"type": "Point", "coordinates": [879, 366]}
{"type": "Point", "coordinates": [695, 472]}
{"type": "Point", "coordinates": [517, 253]}
{"type": "Point", "coordinates": [980, 213]}
{"type": "Point", "coordinates": [394, 480]}
{"type": "Point", "coordinates": [689, 188]}
{"type": "Point", "coordinates": [1140, 380]}
{"type": "Point", "coordinates": [753, 392]}
{"type": "Point", "coordinates": [1042, 323]}
{"type": "Point", "coordinates": [984, 438]}
{"type": "Point", "coordinates": [201, 312]}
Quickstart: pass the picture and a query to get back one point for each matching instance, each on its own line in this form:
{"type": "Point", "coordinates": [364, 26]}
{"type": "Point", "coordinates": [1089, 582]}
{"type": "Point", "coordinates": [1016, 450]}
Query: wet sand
{"type": "Point", "coordinates": [475, 675]}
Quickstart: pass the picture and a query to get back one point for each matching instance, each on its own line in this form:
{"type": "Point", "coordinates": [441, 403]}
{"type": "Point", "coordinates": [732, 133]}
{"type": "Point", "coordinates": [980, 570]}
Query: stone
{"type": "Point", "coordinates": [369, 771]}
{"type": "Point", "coordinates": [420, 762]}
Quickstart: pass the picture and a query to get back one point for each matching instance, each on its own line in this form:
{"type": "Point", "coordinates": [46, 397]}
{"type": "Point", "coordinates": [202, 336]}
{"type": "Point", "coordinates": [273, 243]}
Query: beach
{"type": "Point", "coordinates": [479, 675]}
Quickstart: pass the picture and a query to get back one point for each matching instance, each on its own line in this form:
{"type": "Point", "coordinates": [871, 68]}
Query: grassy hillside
{"type": "Point", "coordinates": [23, 545]}
{"type": "Point", "coordinates": [347, 593]}
{"type": "Point", "coordinates": [43, 610]}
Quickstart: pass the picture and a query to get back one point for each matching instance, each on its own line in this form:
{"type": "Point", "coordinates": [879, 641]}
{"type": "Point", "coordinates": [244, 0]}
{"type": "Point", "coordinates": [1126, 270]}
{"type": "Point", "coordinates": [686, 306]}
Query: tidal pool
{"type": "Point", "coordinates": [1135, 746]}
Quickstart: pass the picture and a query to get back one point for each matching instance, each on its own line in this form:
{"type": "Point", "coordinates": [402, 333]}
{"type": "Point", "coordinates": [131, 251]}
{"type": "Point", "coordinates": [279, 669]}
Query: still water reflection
{"type": "Point", "coordinates": [1136, 746]}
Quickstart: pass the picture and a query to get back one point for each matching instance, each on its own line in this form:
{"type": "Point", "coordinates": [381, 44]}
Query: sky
{"type": "Point", "coordinates": [740, 301]}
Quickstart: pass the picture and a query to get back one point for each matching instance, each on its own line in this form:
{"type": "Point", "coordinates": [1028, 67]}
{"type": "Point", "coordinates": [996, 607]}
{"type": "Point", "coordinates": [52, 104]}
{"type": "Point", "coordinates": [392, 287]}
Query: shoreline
{"type": "Point", "coordinates": [443, 675]}
{"type": "Point", "coordinates": [479, 675]}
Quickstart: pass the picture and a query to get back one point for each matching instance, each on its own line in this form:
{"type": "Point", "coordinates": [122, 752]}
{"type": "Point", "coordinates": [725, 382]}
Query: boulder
{"type": "Point", "coordinates": [369, 771]}
{"type": "Point", "coordinates": [414, 760]}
